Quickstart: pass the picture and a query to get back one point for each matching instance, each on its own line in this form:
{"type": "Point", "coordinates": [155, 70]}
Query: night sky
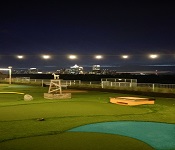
{"type": "Point", "coordinates": [86, 28]}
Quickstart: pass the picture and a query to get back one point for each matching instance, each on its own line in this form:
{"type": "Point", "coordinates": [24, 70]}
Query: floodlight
{"type": "Point", "coordinates": [72, 56]}
{"type": "Point", "coordinates": [20, 56]}
{"type": "Point", "coordinates": [153, 56]}
{"type": "Point", "coordinates": [98, 56]}
{"type": "Point", "coordinates": [46, 56]}
{"type": "Point", "coordinates": [125, 56]}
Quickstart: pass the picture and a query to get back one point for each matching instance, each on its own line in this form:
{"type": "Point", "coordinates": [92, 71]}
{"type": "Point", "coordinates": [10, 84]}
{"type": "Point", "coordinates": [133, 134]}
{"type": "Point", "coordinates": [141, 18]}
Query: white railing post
{"type": "Point", "coordinates": [153, 86]}
{"type": "Point", "coordinates": [42, 83]}
{"type": "Point", "coordinates": [102, 85]}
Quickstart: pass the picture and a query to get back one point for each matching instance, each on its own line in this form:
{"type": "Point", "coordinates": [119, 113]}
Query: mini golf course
{"type": "Point", "coordinates": [86, 121]}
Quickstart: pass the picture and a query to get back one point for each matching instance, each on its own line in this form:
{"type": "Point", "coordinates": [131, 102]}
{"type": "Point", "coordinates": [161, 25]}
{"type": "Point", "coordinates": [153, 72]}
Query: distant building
{"type": "Point", "coordinates": [20, 71]}
{"type": "Point", "coordinates": [33, 71]}
{"type": "Point", "coordinates": [96, 69]}
{"type": "Point", "coordinates": [76, 69]}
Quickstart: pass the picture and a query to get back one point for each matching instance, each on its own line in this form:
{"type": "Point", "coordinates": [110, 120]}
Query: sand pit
{"type": "Point", "coordinates": [132, 101]}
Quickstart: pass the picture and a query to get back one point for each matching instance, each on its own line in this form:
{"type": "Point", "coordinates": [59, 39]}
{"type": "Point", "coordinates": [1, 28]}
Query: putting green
{"type": "Point", "coordinates": [76, 141]}
{"type": "Point", "coordinates": [20, 128]}
{"type": "Point", "coordinates": [160, 136]}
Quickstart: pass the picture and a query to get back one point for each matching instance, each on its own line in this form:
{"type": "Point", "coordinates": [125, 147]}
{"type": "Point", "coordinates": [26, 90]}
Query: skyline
{"type": "Point", "coordinates": [111, 29]}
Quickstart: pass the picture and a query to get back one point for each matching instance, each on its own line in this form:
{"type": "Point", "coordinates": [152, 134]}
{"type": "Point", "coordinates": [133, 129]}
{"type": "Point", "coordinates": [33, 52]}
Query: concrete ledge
{"type": "Point", "coordinates": [57, 96]}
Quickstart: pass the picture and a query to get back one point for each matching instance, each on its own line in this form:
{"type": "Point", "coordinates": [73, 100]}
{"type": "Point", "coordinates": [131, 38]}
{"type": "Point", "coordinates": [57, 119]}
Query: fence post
{"type": "Point", "coordinates": [102, 84]}
{"type": "Point", "coordinates": [42, 83]}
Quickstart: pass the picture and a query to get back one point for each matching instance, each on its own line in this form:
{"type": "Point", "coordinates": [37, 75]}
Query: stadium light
{"type": "Point", "coordinates": [153, 56]}
{"type": "Point", "coordinates": [20, 56]}
{"type": "Point", "coordinates": [72, 57]}
{"type": "Point", "coordinates": [98, 56]}
{"type": "Point", "coordinates": [46, 56]}
{"type": "Point", "coordinates": [125, 56]}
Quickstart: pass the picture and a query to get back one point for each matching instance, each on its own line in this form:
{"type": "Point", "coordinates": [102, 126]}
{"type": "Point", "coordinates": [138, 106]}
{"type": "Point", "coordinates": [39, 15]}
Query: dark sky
{"type": "Point", "coordinates": [85, 28]}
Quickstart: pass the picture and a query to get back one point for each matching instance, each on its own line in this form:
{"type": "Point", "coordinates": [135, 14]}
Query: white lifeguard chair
{"type": "Point", "coordinates": [55, 89]}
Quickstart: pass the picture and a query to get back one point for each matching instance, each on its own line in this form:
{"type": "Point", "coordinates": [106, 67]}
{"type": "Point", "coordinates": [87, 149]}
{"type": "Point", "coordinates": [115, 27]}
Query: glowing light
{"type": "Point", "coordinates": [98, 56]}
{"type": "Point", "coordinates": [20, 56]}
{"type": "Point", "coordinates": [153, 56]}
{"type": "Point", "coordinates": [125, 56]}
{"type": "Point", "coordinates": [46, 56]}
{"type": "Point", "coordinates": [72, 56]}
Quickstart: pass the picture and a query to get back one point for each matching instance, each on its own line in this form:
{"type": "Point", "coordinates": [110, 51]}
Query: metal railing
{"type": "Point", "coordinates": [153, 87]}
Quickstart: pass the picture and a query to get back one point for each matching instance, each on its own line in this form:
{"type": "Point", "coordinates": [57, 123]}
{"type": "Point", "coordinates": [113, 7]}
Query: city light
{"type": "Point", "coordinates": [153, 56]}
{"type": "Point", "coordinates": [20, 56]}
{"type": "Point", "coordinates": [72, 56]}
{"type": "Point", "coordinates": [125, 56]}
{"type": "Point", "coordinates": [46, 56]}
{"type": "Point", "coordinates": [98, 56]}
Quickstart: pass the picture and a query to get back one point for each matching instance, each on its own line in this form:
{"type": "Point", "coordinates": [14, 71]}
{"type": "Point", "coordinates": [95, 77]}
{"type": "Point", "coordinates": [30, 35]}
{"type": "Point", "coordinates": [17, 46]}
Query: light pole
{"type": "Point", "coordinates": [10, 74]}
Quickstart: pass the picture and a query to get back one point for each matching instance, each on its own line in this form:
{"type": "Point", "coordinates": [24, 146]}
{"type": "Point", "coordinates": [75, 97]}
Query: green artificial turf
{"type": "Point", "coordinates": [77, 141]}
{"type": "Point", "coordinates": [19, 119]}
